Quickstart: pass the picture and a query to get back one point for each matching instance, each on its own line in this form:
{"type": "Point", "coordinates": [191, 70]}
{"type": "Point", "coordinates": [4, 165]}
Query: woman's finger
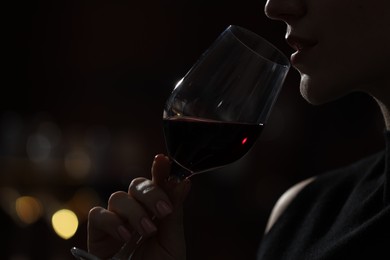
{"type": "Point", "coordinates": [151, 197]}
{"type": "Point", "coordinates": [102, 221]}
{"type": "Point", "coordinates": [161, 168]}
{"type": "Point", "coordinates": [176, 191]}
{"type": "Point", "coordinates": [130, 211]}
{"type": "Point", "coordinates": [107, 233]}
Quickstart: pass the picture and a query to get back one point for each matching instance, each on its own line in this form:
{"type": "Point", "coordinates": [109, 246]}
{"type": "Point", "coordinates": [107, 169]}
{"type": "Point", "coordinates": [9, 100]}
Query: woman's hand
{"type": "Point", "coordinates": [129, 214]}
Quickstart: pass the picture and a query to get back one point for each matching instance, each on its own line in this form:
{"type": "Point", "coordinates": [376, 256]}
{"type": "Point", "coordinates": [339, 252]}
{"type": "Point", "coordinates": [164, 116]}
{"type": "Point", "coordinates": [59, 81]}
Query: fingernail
{"type": "Point", "coordinates": [124, 233]}
{"type": "Point", "coordinates": [148, 225]}
{"type": "Point", "coordinates": [163, 208]}
{"type": "Point", "coordinates": [158, 156]}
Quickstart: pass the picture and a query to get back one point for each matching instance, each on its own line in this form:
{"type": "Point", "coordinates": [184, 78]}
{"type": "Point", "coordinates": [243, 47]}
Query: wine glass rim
{"type": "Point", "coordinates": [282, 60]}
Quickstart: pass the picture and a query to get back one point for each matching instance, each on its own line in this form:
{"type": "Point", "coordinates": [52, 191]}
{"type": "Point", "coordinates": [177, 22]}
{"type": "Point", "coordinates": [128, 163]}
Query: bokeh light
{"type": "Point", "coordinates": [78, 164]}
{"type": "Point", "coordinates": [28, 209]}
{"type": "Point", "coordinates": [51, 131]}
{"type": "Point", "coordinates": [38, 148]}
{"type": "Point", "coordinates": [98, 138]}
{"type": "Point", "coordinates": [65, 223]}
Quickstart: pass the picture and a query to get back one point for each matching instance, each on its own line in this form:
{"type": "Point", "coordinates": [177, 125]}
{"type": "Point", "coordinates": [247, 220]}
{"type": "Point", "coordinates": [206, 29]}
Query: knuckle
{"type": "Point", "coordinates": [140, 186]}
{"type": "Point", "coordinates": [135, 182]}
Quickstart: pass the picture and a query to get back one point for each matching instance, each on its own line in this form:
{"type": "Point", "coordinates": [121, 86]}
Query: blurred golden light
{"type": "Point", "coordinates": [65, 223]}
{"type": "Point", "coordinates": [78, 164]}
{"type": "Point", "coordinates": [28, 209]}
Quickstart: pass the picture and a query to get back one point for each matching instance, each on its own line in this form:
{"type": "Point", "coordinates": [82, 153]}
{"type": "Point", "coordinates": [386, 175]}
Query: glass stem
{"type": "Point", "coordinates": [178, 172]}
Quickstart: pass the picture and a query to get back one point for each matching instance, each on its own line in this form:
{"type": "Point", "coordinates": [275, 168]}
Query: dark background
{"type": "Point", "coordinates": [82, 94]}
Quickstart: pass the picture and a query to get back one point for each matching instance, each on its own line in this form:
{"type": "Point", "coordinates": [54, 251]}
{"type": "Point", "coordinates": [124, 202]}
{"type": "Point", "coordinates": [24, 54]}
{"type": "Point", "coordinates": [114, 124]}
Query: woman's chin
{"type": "Point", "coordinates": [320, 92]}
{"type": "Point", "coordinates": [310, 92]}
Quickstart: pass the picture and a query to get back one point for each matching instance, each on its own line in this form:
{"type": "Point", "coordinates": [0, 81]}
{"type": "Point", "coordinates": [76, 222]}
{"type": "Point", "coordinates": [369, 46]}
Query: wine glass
{"type": "Point", "coordinates": [218, 109]}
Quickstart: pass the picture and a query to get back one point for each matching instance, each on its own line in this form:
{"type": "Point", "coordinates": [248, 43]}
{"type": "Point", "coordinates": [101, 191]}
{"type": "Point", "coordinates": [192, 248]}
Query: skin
{"type": "Point", "coordinates": [129, 215]}
{"type": "Point", "coordinates": [350, 54]}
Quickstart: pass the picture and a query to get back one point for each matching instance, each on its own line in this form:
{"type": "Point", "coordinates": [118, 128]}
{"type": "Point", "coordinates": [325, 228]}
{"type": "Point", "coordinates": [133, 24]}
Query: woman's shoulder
{"type": "Point", "coordinates": [332, 183]}
{"type": "Point", "coordinates": [285, 200]}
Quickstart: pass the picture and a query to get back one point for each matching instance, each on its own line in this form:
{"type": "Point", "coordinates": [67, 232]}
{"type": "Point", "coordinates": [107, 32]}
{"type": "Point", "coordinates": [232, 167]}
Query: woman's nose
{"type": "Point", "coordinates": [285, 10]}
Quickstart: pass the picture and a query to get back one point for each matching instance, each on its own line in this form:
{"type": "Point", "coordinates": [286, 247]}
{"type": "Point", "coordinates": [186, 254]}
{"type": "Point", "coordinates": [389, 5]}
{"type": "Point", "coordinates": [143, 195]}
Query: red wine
{"type": "Point", "coordinates": [200, 145]}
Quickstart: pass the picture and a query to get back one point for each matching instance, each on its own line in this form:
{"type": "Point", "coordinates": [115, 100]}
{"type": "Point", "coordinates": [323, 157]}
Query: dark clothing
{"type": "Point", "coordinates": [344, 214]}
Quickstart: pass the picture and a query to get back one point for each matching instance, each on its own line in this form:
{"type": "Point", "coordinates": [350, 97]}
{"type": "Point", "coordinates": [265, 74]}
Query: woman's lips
{"type": "Point", "coordinates": [302, 46]}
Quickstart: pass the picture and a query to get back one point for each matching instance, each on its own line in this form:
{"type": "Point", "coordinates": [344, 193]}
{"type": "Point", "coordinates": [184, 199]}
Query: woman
{"type": "Point", "coordinates": [341, 46]}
